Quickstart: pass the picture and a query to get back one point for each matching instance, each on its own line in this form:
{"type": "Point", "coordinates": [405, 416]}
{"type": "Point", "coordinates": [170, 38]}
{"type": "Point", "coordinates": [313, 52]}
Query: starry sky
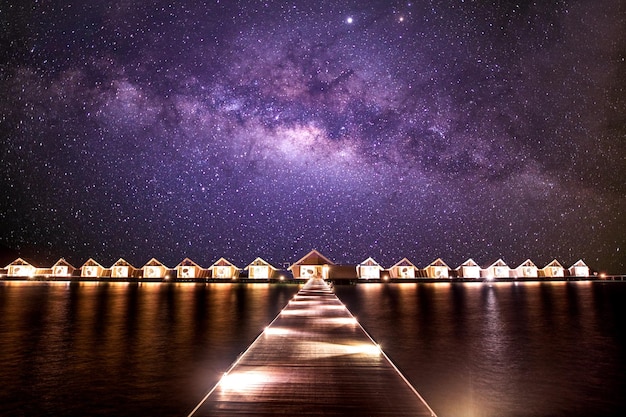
{"type": "Point", "coordinates": [391, 129]}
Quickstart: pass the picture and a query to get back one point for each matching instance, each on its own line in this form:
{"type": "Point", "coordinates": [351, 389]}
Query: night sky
{"type": "Point", "coordinates": [390, 129]}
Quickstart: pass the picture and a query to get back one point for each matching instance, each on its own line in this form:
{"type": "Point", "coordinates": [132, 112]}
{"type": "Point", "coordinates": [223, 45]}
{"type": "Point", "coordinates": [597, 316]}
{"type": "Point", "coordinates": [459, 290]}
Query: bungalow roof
{"type": "Point", "coordinates": [92, 262]}
{"type": "Point", "coordinates": [370, 262]}
{"type": "Point", "coordinates": [312, 258]}
{"type": "Point", "coordinates": [499, 262]}
{"type": "Point", "coordinates": [223, 262]}
{"type": "Point", "coordinates": [404, 262]}
{"type": "Point", "coordinates": [154, 262]}
{"type": "Point", "coordinates": [554, 263]}
{"type": "Point", "coordinates": [187, 262]}
{"type": "Point", "coordinates": [527, 262]}
{"type": "Point", "coordinates": [469, 262]}
{"type": "Point", "coordinates": [19, 261]}
{"type": "Point", "coordinates": [260, 262]}
{"type": "Point", "coordinates": [439, 262]}
{"type": "Point", "coordinates": [63, 262]}
{"type": "Point", "coordinates": [123, 262]}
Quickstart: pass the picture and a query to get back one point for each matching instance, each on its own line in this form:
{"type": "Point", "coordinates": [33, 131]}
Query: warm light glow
{"type": "Point", "coordinates": [242, 381]}
{"type": "Point", "coordinates": [337, 320]}
{"type": "Point", "coordinates": [278, 331]}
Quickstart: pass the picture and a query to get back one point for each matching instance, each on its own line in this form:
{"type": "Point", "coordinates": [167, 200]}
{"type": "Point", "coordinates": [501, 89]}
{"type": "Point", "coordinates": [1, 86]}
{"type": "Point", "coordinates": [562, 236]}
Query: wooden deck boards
{"type": "Point", "coordinates": [313, 360]}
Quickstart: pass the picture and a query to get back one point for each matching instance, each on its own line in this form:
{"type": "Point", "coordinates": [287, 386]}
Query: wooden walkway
{"type": "Point", "coordinates": [314, 359]}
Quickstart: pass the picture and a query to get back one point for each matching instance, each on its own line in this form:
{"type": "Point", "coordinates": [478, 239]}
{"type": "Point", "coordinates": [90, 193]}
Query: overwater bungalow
{"type": "Point", "coordinates": [498, 269]}
{"type": "Point", "coordinates": [188, 269]}
{"type": "Point", "coordinates": [579, 269]}
{"type": "Point", "coordinates": [123, 269]}
{"type": "Point", "coordinates": [526, 269]}
{"type": "Point", "coordinates": [468, 269]}
{"type": "Point", "coordinates": [311, 265]}
{"type": "Point", "coordinates": [368, 269]}
{"type": "Point", "coordinates": [222, 268]}
{"type": "Point", "coordinates": [261, 269]}
{"type": "Point", "coordinates": [553, 270]}
{"type": "Point", "coordinates": [403, 269]}
{"type": "Point", "coordinates": [21, 268]}
{"type": "Point", "coordinates": [62, 268]}
{"type": "Point", "coordinates": [155, 269]}
{"type": "Point", "coordinates": [437, 269]}
{"type": "Point", "coordinates": [92, 269]}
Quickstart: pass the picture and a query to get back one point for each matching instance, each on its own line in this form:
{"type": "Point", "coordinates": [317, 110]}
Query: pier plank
{"type": "Point", "coordinates": [314, 359]}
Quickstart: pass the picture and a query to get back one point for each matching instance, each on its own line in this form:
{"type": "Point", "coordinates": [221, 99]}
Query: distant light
{"type": "Point", "coordinates": [349, 20]}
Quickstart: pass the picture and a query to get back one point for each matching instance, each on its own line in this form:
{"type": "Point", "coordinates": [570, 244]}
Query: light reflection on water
{"type": "Point", "coordinates": [103, 349]}
{"type": "Point", "coordinates": [492, 350]}
{"type": "Point", "coordinates": [503, 349]}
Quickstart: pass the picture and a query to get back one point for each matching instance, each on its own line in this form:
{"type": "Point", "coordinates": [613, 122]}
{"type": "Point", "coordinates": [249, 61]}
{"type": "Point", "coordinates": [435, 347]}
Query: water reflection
{"type": "Point", "coordinates": [503, 349]}
{"type": "Point", "coordinates": [120, 349]}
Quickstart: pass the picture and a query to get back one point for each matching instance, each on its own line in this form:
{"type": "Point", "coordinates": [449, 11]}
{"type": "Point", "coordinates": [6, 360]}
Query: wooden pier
{"type": "Point", "coordinates": [314, 359]}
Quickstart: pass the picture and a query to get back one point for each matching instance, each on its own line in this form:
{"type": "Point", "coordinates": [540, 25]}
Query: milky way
{"type": "Point", "coordinates": [389, 129]}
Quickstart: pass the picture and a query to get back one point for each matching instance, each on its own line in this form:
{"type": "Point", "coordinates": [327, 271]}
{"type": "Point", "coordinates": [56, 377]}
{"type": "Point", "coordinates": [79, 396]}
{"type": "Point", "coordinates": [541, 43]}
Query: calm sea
{"type": "Point", "coordinates": [550, 349]}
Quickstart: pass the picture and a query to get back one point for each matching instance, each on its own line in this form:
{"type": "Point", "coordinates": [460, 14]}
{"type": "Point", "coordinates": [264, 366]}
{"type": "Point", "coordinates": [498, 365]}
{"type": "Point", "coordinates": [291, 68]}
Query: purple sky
{"type": "Point", "coordinates": [389, 129]}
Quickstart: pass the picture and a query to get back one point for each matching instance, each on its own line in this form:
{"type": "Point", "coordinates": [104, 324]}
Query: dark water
{"type": "Point", "coordinates": [551, 349]}
{"type": "Point", "coordinates": [123, 349]}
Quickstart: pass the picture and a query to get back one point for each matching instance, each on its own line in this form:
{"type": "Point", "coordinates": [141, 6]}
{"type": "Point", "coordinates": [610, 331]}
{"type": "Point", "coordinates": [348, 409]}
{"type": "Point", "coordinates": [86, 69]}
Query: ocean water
{"type": "Point", "coordinates": [505, 349]}
{"type": "Point", "coordinates": [111, 349]}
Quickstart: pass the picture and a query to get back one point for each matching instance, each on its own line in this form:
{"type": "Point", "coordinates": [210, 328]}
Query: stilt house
{"type": "Point", "coordinates": [311, 265]}
{"type": "Point", "coordinates": [261, 269]}
{"type": "Point", "coordinates": [155, 269]}
{"type": "Point", "coordinates": [188, 269]}
{"type": "Point", "coordinates": [468, 269]}
{"type": "Point", "coordinates": [553, 270]}
{"type": "Point", "coordinates": [403, 269]}
{"type": "Point", "coordinates": [368, 269]}
{"type": "Point", "coordinates": [62, 269]}
{"type": "Point", "coordinates": [123, 269]}
{"type": "Point", "coordinates": [498, 269]}
{"type": "Point", "coordinates": [20, 268]}
{"type": "Point", "coordinates": [437, 269]}
{"type": "Point", "coordinates": [92, 269]}
{"type": "Point", "coordinates": [224, 269]}
{"type": "Point", "coordinates": [579, 269]}
{"type": "Point", "coordinates": [526, 269]}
